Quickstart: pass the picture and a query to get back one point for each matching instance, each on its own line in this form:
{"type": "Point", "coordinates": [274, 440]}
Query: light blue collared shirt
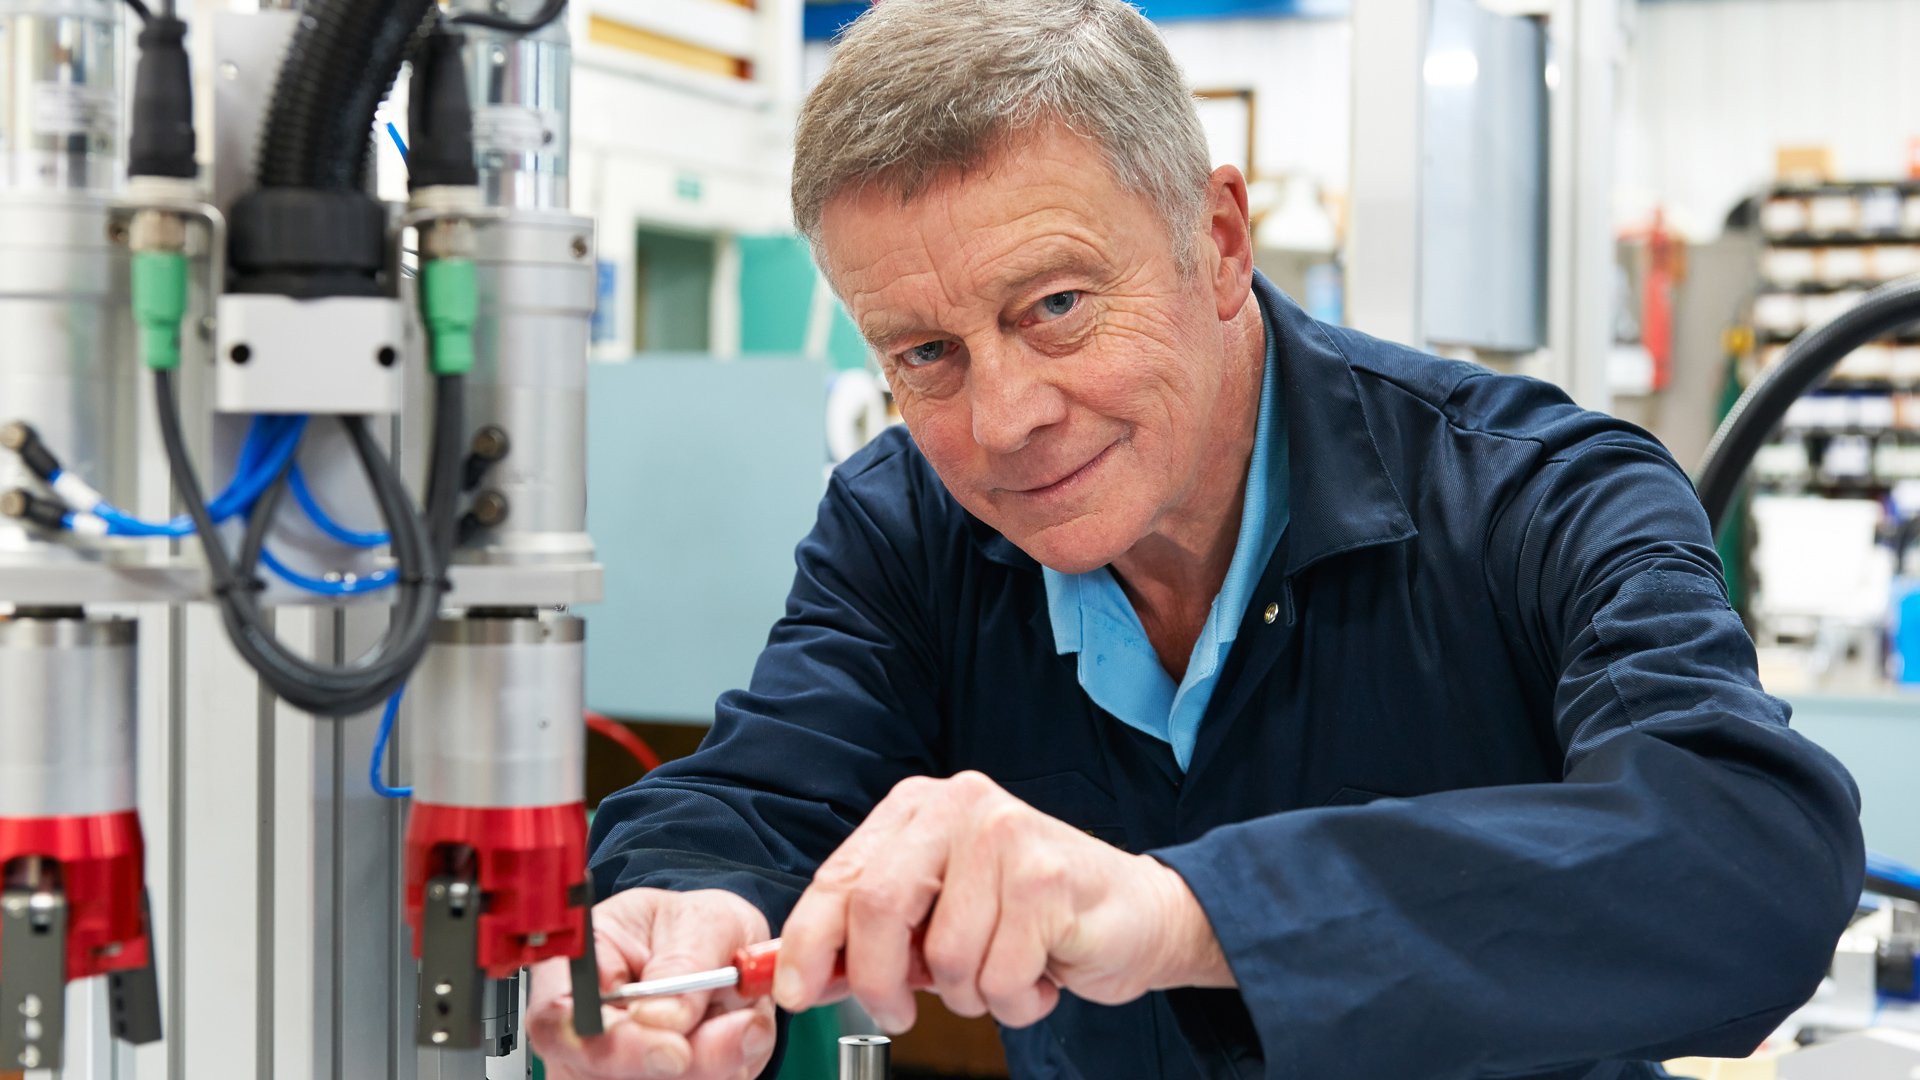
{"type": "Point", "coordinates": [1092, 616]}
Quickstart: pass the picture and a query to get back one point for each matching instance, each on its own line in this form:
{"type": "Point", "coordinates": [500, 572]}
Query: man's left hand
{"type": "Point", "coordinates": [1016, 906]}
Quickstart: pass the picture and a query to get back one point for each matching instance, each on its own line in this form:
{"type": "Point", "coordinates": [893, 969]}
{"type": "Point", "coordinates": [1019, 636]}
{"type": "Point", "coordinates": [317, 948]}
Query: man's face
{"type": "Point", "coordinates": [1050, 357]}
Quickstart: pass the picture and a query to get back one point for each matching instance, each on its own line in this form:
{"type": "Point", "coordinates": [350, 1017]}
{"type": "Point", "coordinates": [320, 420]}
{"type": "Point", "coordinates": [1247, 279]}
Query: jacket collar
{"type": "Point", "coordinates": [1340, 497]}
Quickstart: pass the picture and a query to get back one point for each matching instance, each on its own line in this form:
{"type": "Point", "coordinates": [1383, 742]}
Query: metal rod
{"type": "Point", "coordinates": [866, 1057]}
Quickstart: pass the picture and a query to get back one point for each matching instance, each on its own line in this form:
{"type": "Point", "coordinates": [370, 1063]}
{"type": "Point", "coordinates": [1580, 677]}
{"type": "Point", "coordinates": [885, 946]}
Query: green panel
{"type": "Point", "coordinates": [813, 1046]}
{"type": "Point", "coordinates": [777, 280]}
{"type": "Point", "coordinates": [674, 276]}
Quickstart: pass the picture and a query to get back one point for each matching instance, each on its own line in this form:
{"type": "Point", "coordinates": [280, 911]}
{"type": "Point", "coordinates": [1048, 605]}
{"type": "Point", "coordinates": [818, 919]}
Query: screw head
{"type": "Point", "coordinates": [240, 353]}
{"type": "Point", "coordinates": [491, 443]}
{"type": "Point", "coordinates": [116, 232]}
{"type": "Point", "coordinates": [581, 247]}
{"type": "Point", "coordinates": [490, 508]}
{"type": "Point", "coordinates": [387, 356]}
{"type": "Point", "coordinates": [30, 1057]}
{"type": "Point", "coordinates": [440, 1037]}
{"type": "Point", "coordinates": [30, 1006]}
{"type": "Point", "coordinates": [439, 892]}
{"type": "Point", "coordinates": [443, 989]}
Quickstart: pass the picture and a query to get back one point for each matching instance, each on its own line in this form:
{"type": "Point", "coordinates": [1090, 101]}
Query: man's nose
{"type": "Point", "coordinates": [1010, 396]}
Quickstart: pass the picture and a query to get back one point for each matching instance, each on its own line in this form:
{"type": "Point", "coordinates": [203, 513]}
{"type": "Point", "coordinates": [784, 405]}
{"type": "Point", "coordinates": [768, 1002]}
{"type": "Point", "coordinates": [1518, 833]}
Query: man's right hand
{"type": "Point", "coordinates": [647, 934]}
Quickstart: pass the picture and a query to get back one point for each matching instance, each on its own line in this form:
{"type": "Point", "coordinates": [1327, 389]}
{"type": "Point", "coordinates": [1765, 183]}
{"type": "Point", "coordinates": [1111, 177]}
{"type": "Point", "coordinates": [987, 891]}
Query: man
{"type": "Point", "coordinates": [1201, 690]}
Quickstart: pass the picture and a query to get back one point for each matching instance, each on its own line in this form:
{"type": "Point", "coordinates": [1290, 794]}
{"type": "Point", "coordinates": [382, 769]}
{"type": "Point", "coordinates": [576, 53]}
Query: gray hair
{"type": "Point", "coordinates": [920, 89]}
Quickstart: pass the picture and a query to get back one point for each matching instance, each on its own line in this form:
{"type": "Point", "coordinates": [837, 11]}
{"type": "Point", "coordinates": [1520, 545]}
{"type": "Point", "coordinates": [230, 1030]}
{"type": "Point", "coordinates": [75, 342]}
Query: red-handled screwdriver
{"type": "Point", "coordinates": [750, 975]}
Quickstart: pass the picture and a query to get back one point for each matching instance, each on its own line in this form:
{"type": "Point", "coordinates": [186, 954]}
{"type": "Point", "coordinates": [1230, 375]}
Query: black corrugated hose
{"type": "Point", "coordinates": [343, 57]}
{"type": "Point", "coordinates": [311, 172]}
{"type": "Point", "coordinates": [1807, 362]}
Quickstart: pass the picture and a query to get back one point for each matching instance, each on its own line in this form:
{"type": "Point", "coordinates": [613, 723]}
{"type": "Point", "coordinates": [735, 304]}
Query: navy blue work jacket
{"type": "Point", "coordinates": [1495, 793]}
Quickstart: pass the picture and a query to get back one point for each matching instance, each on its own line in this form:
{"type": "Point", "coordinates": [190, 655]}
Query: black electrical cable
{"type": "Point", "coordinates": [141, 10]}
{"type": "Point", "coordinates": [327, 690]}
{"type": "Point", "coordinates": [1807, 361]}
{"type": "Point", "coordinates": [548, 12]}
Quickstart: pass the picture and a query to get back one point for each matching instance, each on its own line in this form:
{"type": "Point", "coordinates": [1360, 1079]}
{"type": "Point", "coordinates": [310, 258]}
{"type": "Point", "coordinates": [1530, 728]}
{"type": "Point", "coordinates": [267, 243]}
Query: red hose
{"type": "Point", "coordinates": [622, 734]}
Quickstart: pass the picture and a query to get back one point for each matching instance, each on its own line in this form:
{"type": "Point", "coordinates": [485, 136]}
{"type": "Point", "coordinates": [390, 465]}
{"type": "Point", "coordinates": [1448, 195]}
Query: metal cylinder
{"type": "Point", "coordinates": [66, 717]}
{"type": "Point", "coordinates": [66, 322]}
{"type": "Point", "coordinates": [60, 121]}
{"type": "Point", "coordinates": [529, 380]}
{"type": "Point", "coordinates": [497, 707]}
{"type": "Point", "coordinates": [865, 1057]}
{"type": "Point", "coordinates": [519, 87]}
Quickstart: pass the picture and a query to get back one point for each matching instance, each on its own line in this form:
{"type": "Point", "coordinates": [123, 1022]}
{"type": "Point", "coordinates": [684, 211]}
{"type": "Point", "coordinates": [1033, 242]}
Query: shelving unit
{"type": "Point", "coordinates": [1827, 245]}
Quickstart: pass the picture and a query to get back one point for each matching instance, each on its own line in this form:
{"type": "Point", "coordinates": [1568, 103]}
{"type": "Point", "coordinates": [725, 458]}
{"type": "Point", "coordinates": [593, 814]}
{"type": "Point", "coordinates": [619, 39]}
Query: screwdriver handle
{"type": "Point", "coordinates": [756, 964]}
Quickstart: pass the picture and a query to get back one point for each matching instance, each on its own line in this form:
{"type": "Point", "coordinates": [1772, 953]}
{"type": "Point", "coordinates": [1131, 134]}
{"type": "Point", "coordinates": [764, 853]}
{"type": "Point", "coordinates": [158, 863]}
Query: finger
{"type": "Point", "coordinates": [1013, 978]}
{"type": "Point", "coordinates": [815, 934]}
{"type": "Point", "coordinates": [735, 1042]}
{"type": "Point", "coordinates": [550, 1008]}
{"type": "Point", "coordinates": [622, 925]}
{"type": "Point", "coordinates": [810, 945]}
{"type": "Point", "coordinates": [963, 922]}
{"type": "Point", "coordinates": [626, 1051]}
{"type": "Point", "coordinates": [686, 938]}
{"type": "Point", "coordinates": [884, 909]}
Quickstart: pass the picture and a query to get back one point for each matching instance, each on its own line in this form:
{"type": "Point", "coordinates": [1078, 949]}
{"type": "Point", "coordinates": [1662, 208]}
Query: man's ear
{"type": "Point", "coordinates": [1228, 255]}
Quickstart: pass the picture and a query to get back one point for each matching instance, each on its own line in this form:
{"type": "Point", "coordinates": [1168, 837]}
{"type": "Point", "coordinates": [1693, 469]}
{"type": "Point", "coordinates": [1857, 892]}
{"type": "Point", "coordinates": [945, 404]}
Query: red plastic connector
{"type": "Point", "coordinates": [531, 872]}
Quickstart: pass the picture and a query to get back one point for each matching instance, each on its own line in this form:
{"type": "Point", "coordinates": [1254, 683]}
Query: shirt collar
{"type": "Point", "coordinates": [1263, 516]}
{"type": "Point", "coordinates": [1339, 496]}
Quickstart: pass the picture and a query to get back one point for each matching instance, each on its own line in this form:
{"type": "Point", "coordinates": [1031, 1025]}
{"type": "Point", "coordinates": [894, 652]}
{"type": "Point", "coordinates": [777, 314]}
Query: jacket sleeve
{"type": "Point", "coordinates": [1679, 892]}
{"type": "Point", "coordinates": [842, 706]}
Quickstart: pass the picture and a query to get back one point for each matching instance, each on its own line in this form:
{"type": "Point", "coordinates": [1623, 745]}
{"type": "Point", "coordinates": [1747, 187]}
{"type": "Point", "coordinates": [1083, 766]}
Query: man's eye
{"type": "Point", "coordinates": [1055, 306]}
{"type": "Point", "coordinates": [921, 355]}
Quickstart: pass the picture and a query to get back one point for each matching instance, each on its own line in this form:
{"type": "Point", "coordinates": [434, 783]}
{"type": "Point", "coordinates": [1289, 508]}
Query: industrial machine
{"type": "Point", "coordinates": [218, 347]}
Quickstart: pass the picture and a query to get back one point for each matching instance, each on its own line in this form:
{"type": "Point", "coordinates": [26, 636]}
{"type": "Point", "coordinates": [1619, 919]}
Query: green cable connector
{"type": "Point", "coordinates": [450, 304]}
{"type": "Point", "coordinates": [160, 305]}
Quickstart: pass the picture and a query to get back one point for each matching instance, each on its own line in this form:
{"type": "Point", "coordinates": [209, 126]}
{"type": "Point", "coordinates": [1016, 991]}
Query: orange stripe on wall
{"type": "Point", "coordinates": [628, 38]}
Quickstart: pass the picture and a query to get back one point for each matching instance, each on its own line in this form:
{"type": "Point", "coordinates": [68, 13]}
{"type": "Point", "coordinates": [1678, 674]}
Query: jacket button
{"type": "Point", "coordinates": [1272, 613]}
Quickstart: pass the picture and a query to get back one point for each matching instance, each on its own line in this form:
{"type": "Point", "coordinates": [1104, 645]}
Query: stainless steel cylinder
{"type": "Point", "coordinates": [519, 88]}
{"type": "Point", "coordinates": [66, 717]}
{"type": "Point", "coordinates": [496, 713]}
{"type": "Point", "coordinates": [60, 105]}
{"type": "Point", "coordinates": [66, 329]}
{"type": "Point", "coordinates": [865, 1057]}
{"type": "Point", "coordinates": [536, 282]}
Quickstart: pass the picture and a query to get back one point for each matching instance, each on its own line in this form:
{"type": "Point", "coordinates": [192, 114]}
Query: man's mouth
{"type": "Point", "coordinates": [1062, 484]}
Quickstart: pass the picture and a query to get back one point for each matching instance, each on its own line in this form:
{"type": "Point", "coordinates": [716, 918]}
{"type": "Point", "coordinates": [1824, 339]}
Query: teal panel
{"type": "Point", "coordinates": [846, 349]}
{"type": "Point", "coordinates": [702, 476]}
{"type": "Point", "coordinates": [1878, 740]}
{"type": "Point", "coordinates": [776, 294]}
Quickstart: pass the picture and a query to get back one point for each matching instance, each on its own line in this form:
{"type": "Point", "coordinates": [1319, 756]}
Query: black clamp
{"type": "Point", "coordinates": [585, 968]}
{"type": "Point", "coordinates": [33, 978]}
{"type": "Point", "coordinates": [451, 982]}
